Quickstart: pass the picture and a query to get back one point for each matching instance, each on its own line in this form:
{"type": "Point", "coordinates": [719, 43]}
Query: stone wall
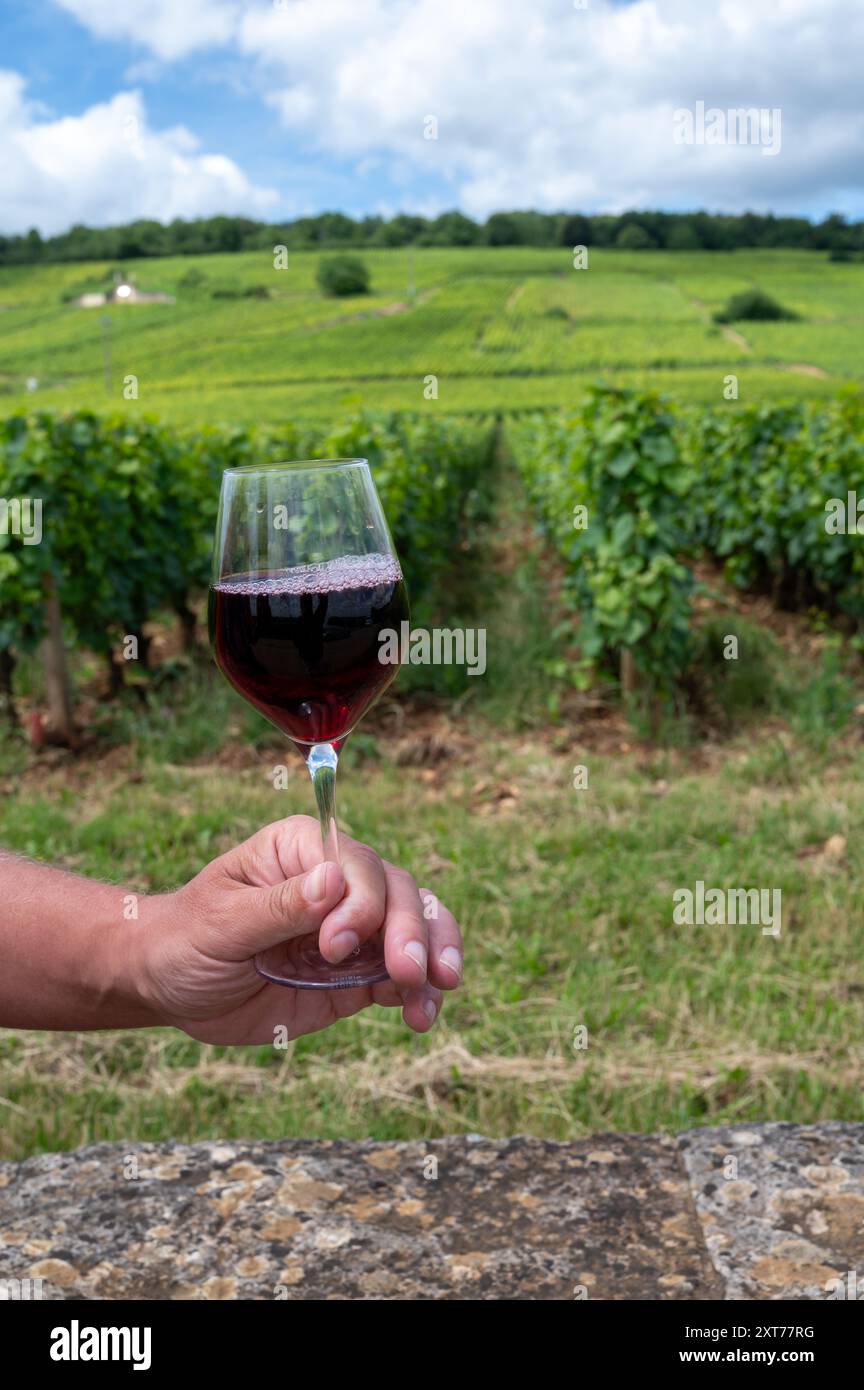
{"type": "Point", "coordinates": [764, 1212]}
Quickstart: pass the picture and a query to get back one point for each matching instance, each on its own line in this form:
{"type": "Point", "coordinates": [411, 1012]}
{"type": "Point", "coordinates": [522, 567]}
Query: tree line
{"type": "Point", "coordinates": [674, 231]}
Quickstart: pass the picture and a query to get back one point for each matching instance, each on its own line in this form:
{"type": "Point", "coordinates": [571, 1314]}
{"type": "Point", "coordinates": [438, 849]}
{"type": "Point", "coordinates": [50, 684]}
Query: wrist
{"type": "Point", "coordinates": [126, 976]}
{"type": "Point", "coordinates": [74, 952]}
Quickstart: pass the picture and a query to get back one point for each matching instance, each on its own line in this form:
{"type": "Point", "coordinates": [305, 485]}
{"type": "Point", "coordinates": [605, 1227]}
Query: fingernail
{"type": "Point", "coordinates": [343, 945]}
{"type": "Point", "coordinates": [430, 1009]}
{"type": "Point", "coordinates": [452, 959]}
{"type": "Point", "coordinates": [416, 951]}
{"type": "Point", "coordinates": [315, 887]}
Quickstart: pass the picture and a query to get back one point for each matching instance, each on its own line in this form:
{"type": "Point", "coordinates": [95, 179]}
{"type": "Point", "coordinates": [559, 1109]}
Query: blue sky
{"type": "Point", "coordinates": [68, 70]}
{"type": "Point", "coordinates": [112, 109]}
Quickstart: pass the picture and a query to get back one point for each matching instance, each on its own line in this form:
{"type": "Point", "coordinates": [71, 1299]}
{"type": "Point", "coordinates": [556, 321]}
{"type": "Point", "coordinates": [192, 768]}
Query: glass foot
{"type": "Point", "coordinates": [300, 965]}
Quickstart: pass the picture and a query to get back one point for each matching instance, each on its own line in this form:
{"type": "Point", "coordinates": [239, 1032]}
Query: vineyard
{"type": "Point", "coordinates": [581, 537]}
{"type": "Point", "coordinates": [601, 701]}
{"type": "Point", "coordinates": [610, 537]}
{"type": "Point", "coordinates": [629, 489]}
{"type": "Point", "coordinates": [499, 328]}
{"type": "Point", "coordinates": [129, 507]}
{"type": "Point", "coordinates": [632, 490]}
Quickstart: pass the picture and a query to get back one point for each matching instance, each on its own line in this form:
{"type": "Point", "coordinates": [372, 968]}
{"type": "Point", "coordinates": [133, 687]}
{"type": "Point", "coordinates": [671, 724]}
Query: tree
{"type": "Point", "coordinates": [335, 226]}
{"type": "Point", "coordinates": [454, 229]}
{"type": "Point", "coordinates": [402, 229]}
{"type": "Point", "coordinates": [501, 230]}
{"type": "Point", "coordinates": [575, 231]}
{"type": "Point", "coordinates": [634, 237]}
{"type": "Point", "coordinates": [683, 237]}
{"type": "Point", "coordinates": [33, 243]}
{"type": "Point", "coordinates": [145, 238]}
{"type": "Point", "coordinates": [370, 229]}
{"type": "Point", "coordinates": [832, 232]}
{"type": "Point", "coordinates": [604, 229]}
{"type": "Point", "coordinates": [526, 227]}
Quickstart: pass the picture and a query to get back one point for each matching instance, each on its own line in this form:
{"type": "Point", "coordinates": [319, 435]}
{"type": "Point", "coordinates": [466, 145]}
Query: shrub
{"type": "Point", "coordinates": [343, 275]}
{"type": "Point", "coordinates": [235, 292]}
{"type": "Point", "coordinates": [752, 304]}
{"type": "Point", "coordinates": [192, 279]}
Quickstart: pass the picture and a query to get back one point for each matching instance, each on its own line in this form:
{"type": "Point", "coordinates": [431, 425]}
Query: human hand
{"type": "Point", "coordinates": [198, 943]}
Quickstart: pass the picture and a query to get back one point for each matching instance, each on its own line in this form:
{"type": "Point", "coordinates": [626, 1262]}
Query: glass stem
{"type": "Point", "coordinates": [322, 762]}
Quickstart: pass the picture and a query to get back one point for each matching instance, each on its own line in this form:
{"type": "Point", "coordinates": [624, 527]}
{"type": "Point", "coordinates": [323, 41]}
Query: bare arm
{"type": "Point", "coordinates": [69, 957]}
{"type": "Point", "coordinates": [77, 954]}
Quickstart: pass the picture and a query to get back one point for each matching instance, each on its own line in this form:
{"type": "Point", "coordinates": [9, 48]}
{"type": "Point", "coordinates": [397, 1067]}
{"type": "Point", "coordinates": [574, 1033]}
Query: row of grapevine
{"type": "Point", "coordinates": [761, 479]}
{"type": "Point", "coordinates": [661, 485]}
{"type": "Point", "coordinates": [128, 509]}
{"type": "Point", "coordinates": [608, 485]}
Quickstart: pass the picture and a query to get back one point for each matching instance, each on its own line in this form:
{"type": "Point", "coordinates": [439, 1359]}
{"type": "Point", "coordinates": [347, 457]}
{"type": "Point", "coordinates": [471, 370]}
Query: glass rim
{"type": "Point", "coordinates": [301, 465]}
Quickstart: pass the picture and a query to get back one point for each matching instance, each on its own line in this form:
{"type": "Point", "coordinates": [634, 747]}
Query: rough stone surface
{"type": "Point", "coordinates": [612, 1217]}
{"type": "Point", "coordinates": [782, 1207]}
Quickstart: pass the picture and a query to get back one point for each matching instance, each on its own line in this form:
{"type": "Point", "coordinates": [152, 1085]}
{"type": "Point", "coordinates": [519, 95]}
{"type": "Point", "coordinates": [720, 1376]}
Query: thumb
{"type": "Point", "coordinates": [284, 910]}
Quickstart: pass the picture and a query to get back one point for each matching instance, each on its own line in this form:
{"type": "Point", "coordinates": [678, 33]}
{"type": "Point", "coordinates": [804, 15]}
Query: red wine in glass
{"type": "Point", "coordinates": [304, 646]}
{"type": "Point", "coordinates": [305, 585]}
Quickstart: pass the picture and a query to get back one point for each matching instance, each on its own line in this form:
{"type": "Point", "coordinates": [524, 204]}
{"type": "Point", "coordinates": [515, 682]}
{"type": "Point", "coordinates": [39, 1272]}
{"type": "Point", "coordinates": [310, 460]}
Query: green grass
{"type": "Point", "coordinates": [500, 328]}
{"type": "Point", "coordinates": [566, 900]}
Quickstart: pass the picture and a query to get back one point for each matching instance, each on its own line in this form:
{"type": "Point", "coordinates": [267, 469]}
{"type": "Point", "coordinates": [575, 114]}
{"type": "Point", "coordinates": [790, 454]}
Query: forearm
{"type": "Point", "coordinates": [70, 950]}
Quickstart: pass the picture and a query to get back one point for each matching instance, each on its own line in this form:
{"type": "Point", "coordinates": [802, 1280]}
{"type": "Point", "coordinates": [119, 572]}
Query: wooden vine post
{"type": "Point", "coordinates": [628, 676]}
{"type": "Point", "coordinates": [57, 687]}
{"type": "Point", "coordinates": [633, 685]}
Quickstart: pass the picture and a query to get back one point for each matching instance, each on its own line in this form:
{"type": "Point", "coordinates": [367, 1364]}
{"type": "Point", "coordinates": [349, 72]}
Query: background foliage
{"type": "Point", "coordinates": [689, 231]}
{"type": "Point", "coordinates": [665, 485]}
{"type": "Point", "coordinates": [129, 508]}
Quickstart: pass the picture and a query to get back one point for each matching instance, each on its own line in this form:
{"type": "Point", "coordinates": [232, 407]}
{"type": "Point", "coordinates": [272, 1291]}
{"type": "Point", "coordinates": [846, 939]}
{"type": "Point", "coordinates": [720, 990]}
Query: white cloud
{"type": "Point", "coordinates": [550, 106]}
{"type": "Point", "coordinates": [169, 28]}
{"type": "Point", "coordinates": [108, 166]}
{"type": "Point", "coordinates": [541, 104]}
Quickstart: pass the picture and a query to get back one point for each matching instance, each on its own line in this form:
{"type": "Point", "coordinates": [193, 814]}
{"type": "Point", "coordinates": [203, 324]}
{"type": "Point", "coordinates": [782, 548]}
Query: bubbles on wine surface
{"type": "Point", "coordinates": [329, 577]}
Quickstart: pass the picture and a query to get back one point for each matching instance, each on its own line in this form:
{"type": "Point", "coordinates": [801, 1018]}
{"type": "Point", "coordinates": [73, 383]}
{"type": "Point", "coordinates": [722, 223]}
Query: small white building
{"type": "Point", "coordinates": [123, 292]}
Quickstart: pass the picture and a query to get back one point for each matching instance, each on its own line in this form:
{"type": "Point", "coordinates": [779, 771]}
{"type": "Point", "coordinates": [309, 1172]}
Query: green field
{"type": "Point", "coordinates": [500, 328]}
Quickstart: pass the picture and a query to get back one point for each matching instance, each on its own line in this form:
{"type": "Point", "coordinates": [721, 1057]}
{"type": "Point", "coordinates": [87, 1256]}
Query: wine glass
{"type": "Point", "coordinates": [305, 584]}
